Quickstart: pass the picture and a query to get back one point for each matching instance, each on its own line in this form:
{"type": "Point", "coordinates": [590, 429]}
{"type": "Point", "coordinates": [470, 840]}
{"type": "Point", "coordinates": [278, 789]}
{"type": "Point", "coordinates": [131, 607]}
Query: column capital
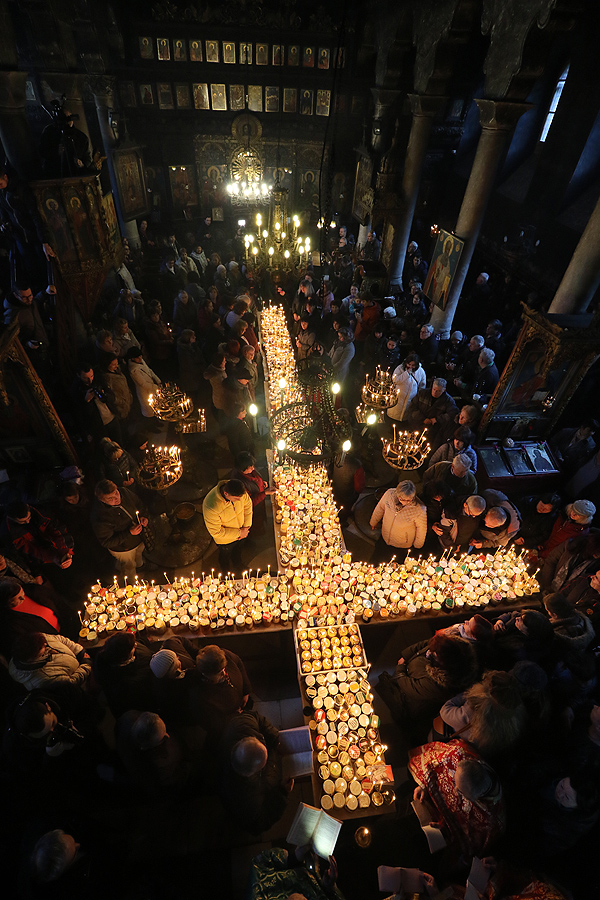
{"type": "Point", "coordinates": [500, 115]}
{"type": "Point", "coordinates": [423, 105]}
{"type": "Point", "coordinates": [384, 97]}
{"type": "Point", "coordinates": [103, 88]}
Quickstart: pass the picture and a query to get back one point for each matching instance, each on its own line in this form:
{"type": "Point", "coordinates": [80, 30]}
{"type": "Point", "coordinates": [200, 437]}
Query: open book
{"type": "Point", "coordinates": [394, 879]}
{"type": "Point", "coordinates": [477, 880]}
{"type": "Point", "coordinates": [313, 826]}
{"type": "Point", "coordinates": [425, 815]}
{"type": "Point", "coordinates": [296, 748]}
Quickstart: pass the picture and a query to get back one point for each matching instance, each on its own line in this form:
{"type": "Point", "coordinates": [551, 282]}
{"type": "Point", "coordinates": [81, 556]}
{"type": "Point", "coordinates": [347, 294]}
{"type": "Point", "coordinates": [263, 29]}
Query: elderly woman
{"type": "Point", "coordinates": [404, 522]}
{"type": "Point", "coordinates": [115, 463]}
{"type": "Point", "coordinates": [409, 378]}
{"type": "Point", "coordinates": [342, 354]}
{"type": "Point", "coordinates": [116, 386]}
{"type": "Point", "coordinates": [145, 380]}
{"type": "Point", "coordinates": [461, 442]}
{"type": "Point", "coordinates": [28, 609]}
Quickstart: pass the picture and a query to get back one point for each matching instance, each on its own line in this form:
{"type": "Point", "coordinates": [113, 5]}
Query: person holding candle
{"type": "Point", "coordinates": [227, 511]}
{"type": "Point", "coordinates": [116, 464]}
{"type": "Point", "coordinates": [245, 471]}
{"type": "Point", "coordinates": [118, 526]}
{"type": "Point", "coordinates": [191, 364]}
{"type": "Point", "coordinates": [239, 436]}
{"type": "Point", "coordinates": [409, 378]}
{"type": "Point", "coordinates": [52, 663]}
{"type": "Point", "coordinates": [144, 378]}
{"type": "Point", "coordinates": [341, 354]}
{"type": "Point", "coordinates": [433, 409]}
{"type": "Point", "coordinates": [219, 688]}
{"type": "Point", "coordinates": [404, 522]}
{"type": "Point", "coordinates": [306, 338]}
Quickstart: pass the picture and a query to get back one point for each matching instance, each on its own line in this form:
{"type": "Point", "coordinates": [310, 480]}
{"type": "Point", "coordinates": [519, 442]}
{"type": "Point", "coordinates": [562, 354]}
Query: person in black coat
{"type": "Point", "coordinates": [122, 669]}
{"type": "Point", "coordinates": [239, 436]}
{"type": "Point", "coordinates": [251, 786]}
{"type": "Point", "coordinates": [487, 378]}
{"type": "Point", "coordinates": [219, 688]}
{"type": "Point", "coordinates": [538, 515]}
{"type": "Point", "coordinates": [171, 667]}
{"type": "Point", "coordinates": [427, 675]}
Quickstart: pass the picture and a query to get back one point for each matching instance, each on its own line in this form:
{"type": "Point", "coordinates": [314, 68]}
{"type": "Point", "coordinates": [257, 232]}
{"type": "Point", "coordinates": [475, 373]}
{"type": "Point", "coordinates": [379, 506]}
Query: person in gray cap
{"type": "Point", "coordinates": [575, 520]}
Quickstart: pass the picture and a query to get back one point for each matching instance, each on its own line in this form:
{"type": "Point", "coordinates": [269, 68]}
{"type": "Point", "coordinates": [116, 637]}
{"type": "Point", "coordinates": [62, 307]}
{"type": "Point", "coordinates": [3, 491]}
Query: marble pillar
{"type": "Point", "coordinates": [15, 133]}
{"type": "Point", "coordinates": [383, 100]}
{"type": "Point", "coordinates": [582, 278]}
{"type": "Point", "coordinates": [498, 121]}
{"type": "Point", "coordinates": [424, 109]}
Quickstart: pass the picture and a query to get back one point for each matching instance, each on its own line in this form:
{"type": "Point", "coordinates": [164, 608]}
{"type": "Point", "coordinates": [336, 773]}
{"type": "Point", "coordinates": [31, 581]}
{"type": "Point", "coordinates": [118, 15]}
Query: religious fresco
{"type": "Point", "coordinates": [446, 254]}
{"type": "Point", "coordinates": [164, 49]}
{"type": "Point", "coordinates": [218, 97]}
{"type": "Point", "coordinates": [290, 100]}
{"type": "Point", "coordinates": [306, 102]}
{"type": "Point", "coordinates": [110, 217]}
{"type": "Point", "coordinates": [165, 95]}
{"type": "Point", "coordinates": [271, 99]}
{"type": "Point", "coordinates": [201, 96]}
{"type": "Point", "coordinates": [323, 103]}
{"type": "Point", "coordinates": [237, 97]}
{"type": "Point", "coordinates": [52, 211]}
{"type": "Point", "coordinates": [228, 52]}
{"type": "Point", "coordinates": [77, 213]}
{"type": "Point", "coordinates": [127, 93]}
{"type": "Point", "coordinates": [146, 95]}
{"type": "Point", "coordinates": [130, 178]}
{"type": "Point", "coordinates": [179, 50]}
{"type": "Point", "coordinates": [196, 54]}
{"type": "Point", "coordinates": [182, 181]}
{"type": "Point", "coordinates": [182, 96]}
{"type": "Point", "coordinates": [146, 48]}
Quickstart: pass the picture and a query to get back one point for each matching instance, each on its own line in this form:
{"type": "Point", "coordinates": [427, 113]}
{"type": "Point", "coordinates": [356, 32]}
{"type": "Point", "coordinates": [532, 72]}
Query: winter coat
{"type": "Point", "coordinates": [304, 341]}
{"type": "Point", "coordinates": [28, 318]}
{"type": "Point", "coordinates": [368, 320]}
{"type": "Point", "coordinates": [575, 633]}
{"type": "Point", "coordinates": [145, 381]}
{"type": "Point", "coordinates": [118, 393]}
{"type": "Point", "coordinates": [58, 667]}
{"type": "Point", "coordinates": [535, 527]}
{"type": "Point", "coordinates": [41, 538]}
{"type": "Point", "coordinates": [499, 537]}
{"type": "Point", "coordinates": [224, 518]}
{"type": "Point", "coordinates": [217, 377]}
{"type": "Point", "coordinates": [486, 381]}
{"type": "Point", "coordinates": [564, 528]}
{"type": "Point", "coordinates": [123, 343]}
{"type": "Point", "coordinates": [190, 366]}
{"type": "Point", "coordinates": [403, 526]}
{"type": "Point", "coordinates": [112, 524]}
{"type": "Point", "coordinates": [341, 355]}
{"type": "Point", "coordinates": [158, 340]}
{"type": "Point", "coordinates": [185, 315]}
{"type": "Point", "coordinates": [407, 384]}
{"type": "Point", "coordinates": [446, 453]}
{"type": "Point", "coordinates": [442, 471]}
{"type": "Point", "coordinates": [567, 561]}
{"type": "Point", "coordinates": [425, 406]}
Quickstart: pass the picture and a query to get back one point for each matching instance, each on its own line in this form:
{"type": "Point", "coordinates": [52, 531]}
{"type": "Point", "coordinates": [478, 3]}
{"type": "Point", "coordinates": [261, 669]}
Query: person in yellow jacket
{"type": "Point", "coordinates": [227, 511]}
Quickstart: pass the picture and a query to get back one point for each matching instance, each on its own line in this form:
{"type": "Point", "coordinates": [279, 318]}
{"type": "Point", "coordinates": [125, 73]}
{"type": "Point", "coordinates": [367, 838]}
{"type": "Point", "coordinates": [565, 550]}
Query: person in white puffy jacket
{"type": "Point", "coordinates": [404, 522]}
{"type": "Point", "coordinates": [49, 660]}
{"type": "Point", "coordinates": [144, 378]}
{"type": "Point", "coordinates": [409, 377]}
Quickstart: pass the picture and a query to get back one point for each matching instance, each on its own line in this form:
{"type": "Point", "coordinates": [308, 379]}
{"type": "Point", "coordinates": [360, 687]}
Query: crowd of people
{"type": "Point", "coordinates": [499, 716]}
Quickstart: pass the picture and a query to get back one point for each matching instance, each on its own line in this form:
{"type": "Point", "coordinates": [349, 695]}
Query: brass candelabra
{"type": "Point", "coordinates": [407, 449]}
{"type": "Point", "coordinates": [170, 404]}
{"type": "Point", "coordinates": [160, 468]}
{"type": "Point", "coordinates": [379, 390]}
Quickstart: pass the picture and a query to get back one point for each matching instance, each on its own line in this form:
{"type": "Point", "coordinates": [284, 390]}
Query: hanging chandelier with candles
{"type": "Point", "coordinates": [277, 244]}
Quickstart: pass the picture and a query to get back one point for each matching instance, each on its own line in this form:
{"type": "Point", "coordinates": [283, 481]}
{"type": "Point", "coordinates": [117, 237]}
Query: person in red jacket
{"type": "Point", "coordinates": [575, 520]}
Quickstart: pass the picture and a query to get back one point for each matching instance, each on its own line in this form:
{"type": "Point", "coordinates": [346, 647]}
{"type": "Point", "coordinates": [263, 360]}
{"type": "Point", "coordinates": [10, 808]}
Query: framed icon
{"type": "Point", "coordinates": [164, 49]}
{"type": "Point", "coordinates": [218, 98]}
{"type": "Point", "coordinates": [228, 52]}
{"type": "Point", "coordinates": [165, 95]}
{"type": "Point", "coordinates": [308, 59]}
{"type": "Point", "coordinates": [196, 54]}
{"type": "Point", "coordinates": [293, 55]}
{"type": "Point", "coordinates": [179, 50]}
{"type": "Point", "coordinates": [146, 95]}
{"type": "Point", "coordinates": [255, 103]}
{"type": "Point", "coordinates": [290, 100]}
{"type": "Point", "coordinates": [212, 51]}
{"type": "Point", "coordinates": [262, 54]}
{"type": "Point", "coordinates": [200, 92]}
{"type": "Point", "coordinates": [341, 57]}
{"type": "Point", "coordinates": [246, 54]}
{"type": "Point", "coordinates": [323, 103]}
{"type": "Point", "coordinates": [146, 48]}
{"type": "Point", "coordinates": [277, 54]}
{"type": "Point", "coordinates": [323, 58]}
{"type": "Point", "coordinates": [271, 99]}
{"type": "Point", "coordinates": [182, 96]}
{"type": "Point", "coordinates": [306, 103]}
{"type": "Point", "coordinates": [237, 97]}
{"type": "Point", "coordinates": [127, 93]}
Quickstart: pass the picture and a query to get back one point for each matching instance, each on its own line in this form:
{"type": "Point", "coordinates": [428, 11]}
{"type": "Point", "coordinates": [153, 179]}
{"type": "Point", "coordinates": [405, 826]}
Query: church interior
{"type": "Point", "coordinates": [299, 454]}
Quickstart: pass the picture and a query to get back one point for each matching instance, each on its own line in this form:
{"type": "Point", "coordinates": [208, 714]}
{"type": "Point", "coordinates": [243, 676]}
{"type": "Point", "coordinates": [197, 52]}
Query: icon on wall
{"type": "Point", "coordinates": [179, 54]}
{"type": "Point", "coordinates": [217, 94]}
{"type": "Point", "coordinates": [165, 96]}
{"type": "Point", "coordinates": [246, 54]}
{"type": "Point", "coordinates": [237, 97]}
{"type": "Point", "coordinates": [308, 60]}
{"type": "Point", "coordinates": [262, 54]}
{"type": "Point", "coordinates": [212, 51]}
{"type": "Point", "coordinates": [164, 49]}
{"type": "Point", "coordinates": [127, 93]}
{"type": "Point", "coordinates": [290, 100]}
{"type": "Point", "coordinates": [323, 58]}
{"type": "Point", "coordinates": [446, 255]}
{"type": "Point", "coordinates": [255, 97]}
{"type": "Point", "coordinates": [182, 96]}
{"type": "Point", "coordinates": [277, 54]}
{"type": "Point", "coordinates": [196, 51]}
{"type": "Point", "coordinates": [146, 48]}
{"type": "Point", "coordinates": [293, 55]}
{"type": "Point", "coordinates": [228, 52]}
{"type": "Point", "coordinates": [323, 102]}
{"type": "Point", "coordinates": [306, 103]}
{"type": "Point", "coordinates": [146, 95]}
{"type": "Point", "coordinates": [200, 96]}
{"type": "Point", "coordinates": [271, 99]}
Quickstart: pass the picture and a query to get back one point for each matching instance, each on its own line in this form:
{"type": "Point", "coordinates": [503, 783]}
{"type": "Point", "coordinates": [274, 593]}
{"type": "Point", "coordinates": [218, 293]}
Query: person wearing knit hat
{"type": "Point", "coordinates": [165, 664]}
{"type": "Point", "coordinates": [582, 511]}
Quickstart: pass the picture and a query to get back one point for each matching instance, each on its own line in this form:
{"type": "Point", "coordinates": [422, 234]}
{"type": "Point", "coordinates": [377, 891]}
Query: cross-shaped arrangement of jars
{"type": "Point", "coordinates": [406, 450]}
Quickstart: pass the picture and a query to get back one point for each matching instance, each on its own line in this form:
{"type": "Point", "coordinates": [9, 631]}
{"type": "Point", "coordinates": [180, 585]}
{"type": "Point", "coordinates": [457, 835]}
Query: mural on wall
{"type": "Point", "coordinates": [58, 226]}
{"type": "Point", "coordinates": [446, 254]}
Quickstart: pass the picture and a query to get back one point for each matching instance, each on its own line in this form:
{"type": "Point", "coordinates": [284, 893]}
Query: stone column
{"type": "Point", "coordinates": [15, 134]}
{"type": "Point", "coordinates": [55, 85]}
{"type": "Point", "coordinates": [498, 120]}
{"type": "Point", "coordinates": [103, 88]}
{"type": "Point", "coordinates": [582, 278]}
{"type": "Point", "coordinates": [424, 109]}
